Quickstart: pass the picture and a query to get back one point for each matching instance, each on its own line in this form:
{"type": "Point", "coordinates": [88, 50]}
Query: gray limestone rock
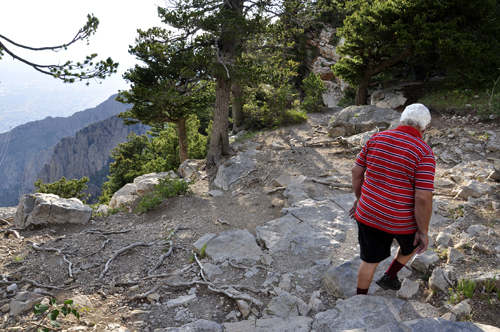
{"type": "Point", "coordinates": [234, 169]}
{"type": "Point", "coordinates": [454, 255]}
{"type": "Point", "coordinates": [475, 229]}
{"type": "Point", "coordinates": [290, 324]}
{"type": "Point", "coordinates": [189, 167]}
{"type": "Point", "coordinates": [474, 188]}
{"type": "Point", "coordinates": [443, 239]}
{"type": "Point", "coordinates": [181, 300]}
{"type": "Point", "coordinates": [462, 309]}
{"type": "Point", "coordinates": [23, 301]}
{"type": "Point", "coordinates": [203, 242]}
{"type": "Point", "coordinates": [286, 305]}
{"type": "Point", "coordinates": [211, 270]}
{"type": "Point", "coordinates": [340, 281]}
{"type": "Point", "coordinates": [315, 302]}
{"type": "Point", "coordinates": [359, 312]}
{"type": "Point", "coordinates": [244, 308]}
{"type": "Point", "coordinates": [437, 280]}
{"type": "Point", "coordinates": [493, 143]}
{"type": "Point", "coordinates": [43, 209]}
{"type": "Point", "coordinates": [201, 325]}
{"type": "Point", "coordinates": [482, 249]}
{"type": "Point", "coordinates": [408, 289]}
{"type": "Point", "coordinates": [236, 244]}
{"type": "Point", "coordinates": [424, 260]}
{"type": "Point", "coordinates": [359, 119]}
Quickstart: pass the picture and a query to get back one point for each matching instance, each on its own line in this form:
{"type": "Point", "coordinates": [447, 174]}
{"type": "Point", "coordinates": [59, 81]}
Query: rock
{"type": "Point", "coordinates": [244, 308]}
{"type": "Point", "coordinates": [482, 278]}
{"type": "Point", "coordinates": [201, 325]}
{"type": "Point", "coordinates": [279, 145]}
{"type": "Point", "coordinates": [286, 283]}
{"type": "Point", "coordinates": [23, 301]}
{"type": "Point", "coordinates": [361, 139]}
{"type": "Point", "coordinates": [189, 167]}
{"type": "Point", "coordinates": [454, 256]}
{"type": "Point", "coordinates": [443, 239]}
{"type": "Point", "coordinates": [340, 281]}
{"type": "Point", "coordinates": [5, 308]}
{"type": "Point", "coordinates": [266, 259]}
{"type": "Point", "coordinates": [7, 212]}
{"type": "Point", "coordinates": [82, 301]}
{"type": "Point", "coordinates": [440, 324]}
{"type": "Point", "coordinates": [232, 316]}
{"type": "Point", "coordinates": [290, 234]}
{"type": "Point", "coordinates": [413, 309]}
{"type": "Point", "coordinates": [462, 309]}
{"type": "Point", "coordinates": [482, 249]}
{"type": "Point", "coordinates": [154, 297]}
{"type": "Point", "coordinates": [359, 119]}
{"type": "Point", "coordinates": [449, 316]}
{"type": "Point", "coordinates": [115, 328]}
{"type": "Point", "coordinates": [124, 196]}
{"type": "Point", "coordinates": [493, 143]}
{"type": "Point", "coordinates": [359, 312]}
{"type": "Point", "coordinates": [291, 324]}
{"type": "Point", "coordinates": [475, 229]}
{"type": "Point", "coordinates": [473, 188]}
{"type": "Point", "coordinates": [388, 98]}
{"type": "Point", "coordinates": [283, 181]}
{"type": "Point", "coordinates": [408, 289]}
{"type": "Point", "coordinates": [437, 280]}
{"type": "Point", "coordinates": [145, 183]}
{"type": "Point", "coordinates": [43, 209]}
{"type": "Point", "coordinates": [215, 193]}
{"type": "Point", "coordinates": [286, 305]}
{"type": "Point", "coordinates": [181, 300]}
{"type": "Point", "coordinates": [235, 168]}
{"type": "Point", "coordinates": [315, 302]}
{"type": "Point", "coordinates": [203, 242]}
{"type": "Point", "coordinates": [424, 260]}
{"type": "Point", "coordinates": [443, 183]}
{"type": "Point", "coordinates": [497, 249]}
{"type": "Point", "coordinates": [437, 219]}
{"type": "Point", "coordinates": [236, 245]}
{"type": "Point", "coordinates": [11, 288]}
{"type": "Point", "coordinates": [211, 270]}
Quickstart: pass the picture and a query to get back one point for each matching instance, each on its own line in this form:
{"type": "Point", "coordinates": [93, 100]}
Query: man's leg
{"type": "Point", "coordinates": [365, 276]}
{"type": "Point", "coordinates": [398, 263]}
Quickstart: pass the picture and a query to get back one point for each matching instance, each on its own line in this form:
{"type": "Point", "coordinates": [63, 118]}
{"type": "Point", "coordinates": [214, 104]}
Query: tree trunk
{"type": "Point", "coordinates": [237, 91]}
{"type": "Point", "coordinates": [183, 143]}
{"type": "Point", "coordinates": [372, 70]}
{"type": "Point", "coordinates": [362, 91]}
{"type": "Point", "coordinates": [219, 142]}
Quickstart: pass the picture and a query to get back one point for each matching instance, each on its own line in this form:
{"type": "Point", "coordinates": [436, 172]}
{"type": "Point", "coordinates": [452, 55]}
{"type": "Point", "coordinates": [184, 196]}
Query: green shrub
{"type": "Point", "coordinates": [165, 188]}
{"type": "Point", "coordinates": [63, 188]}
{"type": "Point", "coordinates": [466, 287]}
{"type": "Point", "coordinates": [314, 87]}
{"type": "Point", "coordinates": [52, 311]}
{"type": "Point", "coordinates": [348, 97]}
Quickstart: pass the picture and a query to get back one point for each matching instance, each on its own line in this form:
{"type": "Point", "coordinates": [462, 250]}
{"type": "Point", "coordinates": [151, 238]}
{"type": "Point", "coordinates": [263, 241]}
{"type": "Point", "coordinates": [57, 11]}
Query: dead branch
{"type": "Point", "coordinates": [201, 266]}
{"type": "Point", "coordinates": [122, 250]}
{"type": "Point", "coordinates": [170, 274]}
{"type": "Point", "coordinates": [275, 190]}
{"type": "Point", "coordinates": [223, 222]}
{"type": "Point", "coordinates": [69, 266]}
{"type": "Point", "coordinates": [244, 297]}
{"type": "Point", "coordinates": [248, 267]}
{"type": "Point", "coordinates": [4, 222]}
{"type": "Point", "coordinates": [168, 253]}
{"type": "Point", "coordinates": [37, 247]}
{"type": "Point", "coordinates": [334, 185]}
{"type": "Point", "coordinates": [11, 231]}
{"type": "Point", "coordinates": [34, 283]}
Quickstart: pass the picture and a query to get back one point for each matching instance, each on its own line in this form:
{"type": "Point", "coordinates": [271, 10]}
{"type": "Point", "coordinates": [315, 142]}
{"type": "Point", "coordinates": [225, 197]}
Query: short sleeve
{"type": "Point", "coordinates": [424, 176]}
{"type": "Point", "coordinates": [361, 159]}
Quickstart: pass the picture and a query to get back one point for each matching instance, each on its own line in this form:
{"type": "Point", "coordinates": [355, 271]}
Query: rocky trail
{"type": "Point", "coordinates": [266, 244]}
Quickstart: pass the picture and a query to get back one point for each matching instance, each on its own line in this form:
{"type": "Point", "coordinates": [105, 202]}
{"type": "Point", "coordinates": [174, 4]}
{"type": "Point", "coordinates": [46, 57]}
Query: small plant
{"type": "Point", "coordinates": [202, 250]}
{"type": "Point", "coordinates": [457, 212]}
{"type": "Point", "coordinates": [52, 311]}
{"type": "Point", "coordinates": [466, 287]}
{"type": "Point", "coordinates": [17, 259]}
{"type": "Point", "coordinates": [491, 286]}
{"type": "Point", "coordinates": [454, 297]}
{"type": "Point", "coordinates": [426, 276]}
{"type": "Point", "coordinates": [165, 188]}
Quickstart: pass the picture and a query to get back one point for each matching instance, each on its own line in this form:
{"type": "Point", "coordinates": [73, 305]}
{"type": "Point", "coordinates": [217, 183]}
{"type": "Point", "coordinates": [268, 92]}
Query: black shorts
{"type": "Point", "coordinates": [375, 244]}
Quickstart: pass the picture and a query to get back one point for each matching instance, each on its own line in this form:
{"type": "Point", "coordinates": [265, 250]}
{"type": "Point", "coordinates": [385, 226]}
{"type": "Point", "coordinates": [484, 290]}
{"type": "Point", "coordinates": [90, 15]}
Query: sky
{"type": "Point", "coordinates": [53, 22]}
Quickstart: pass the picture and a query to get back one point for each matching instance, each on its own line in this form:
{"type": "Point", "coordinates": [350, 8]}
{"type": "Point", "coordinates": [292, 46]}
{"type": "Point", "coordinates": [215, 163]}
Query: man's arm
{"type": "Point", "coordinates": [423, 211]}
{"type": "Point", "coordinates": [358, 177]}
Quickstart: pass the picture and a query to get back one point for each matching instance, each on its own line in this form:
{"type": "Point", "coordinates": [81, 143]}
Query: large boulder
{"type": "Point", "coordinates": [234, 169]}
{"type": "Point", "coordinates": [189, 168]}
{"type": "Point", "coordinates": [234, 245]}
{"type": "Point", "coordinates": [43, 209]}
{"type": "Point", "coordinates": [359, 119]}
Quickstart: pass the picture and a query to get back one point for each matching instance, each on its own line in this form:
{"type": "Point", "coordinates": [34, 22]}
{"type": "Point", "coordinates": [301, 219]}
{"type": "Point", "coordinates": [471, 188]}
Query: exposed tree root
{"type": "Point", "coordinates": [248, 267]}
{"type": "Point", "coordinates": [122, 250]}
{"type": "Point", "coordinates": [168, 253]}
{"type": "Point", "coordinates": [275, 190]}
{"type": "Point", "coordinates": [201, 266]}
{"type": "Point", "coordinates": [70, 271]}
{"type": "Point", "coordinates": [187, 268]}
{"type": "Point", "coordinates": [11, 231]}
{"type": "Point", "coordinates": [244, 297]}
{"type": "Point", "coordinates": [36, 246]}
{"type": "Point", "coordinates": [34, 283]}
{"type": "Point", "coordinates": [4, 222]}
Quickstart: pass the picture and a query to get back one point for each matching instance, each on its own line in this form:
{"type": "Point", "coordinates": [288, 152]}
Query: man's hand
{"type": "Point", "coordinates": [353, 209]}
{"type": "Point", "coordinates": [423, 243]}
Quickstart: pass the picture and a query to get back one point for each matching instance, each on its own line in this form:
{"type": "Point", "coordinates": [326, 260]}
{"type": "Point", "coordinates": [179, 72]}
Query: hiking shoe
{"type": "Point", "coordinates": [387, 283]}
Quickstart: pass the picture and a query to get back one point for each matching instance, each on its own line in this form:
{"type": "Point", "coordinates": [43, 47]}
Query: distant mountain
{"type": "Point", "coordinates": [86, 154]}
{"type": "Point", "coordinates": [22, 143]}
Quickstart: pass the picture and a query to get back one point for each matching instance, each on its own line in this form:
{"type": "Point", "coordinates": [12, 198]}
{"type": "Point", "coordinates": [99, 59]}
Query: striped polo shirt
{"type": "Point", "coordinates": [397, 162]}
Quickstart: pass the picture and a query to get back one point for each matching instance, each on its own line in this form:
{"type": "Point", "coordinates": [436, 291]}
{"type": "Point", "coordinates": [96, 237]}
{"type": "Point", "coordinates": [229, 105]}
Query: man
{"type": "Point", "coordinates": [393, 180]}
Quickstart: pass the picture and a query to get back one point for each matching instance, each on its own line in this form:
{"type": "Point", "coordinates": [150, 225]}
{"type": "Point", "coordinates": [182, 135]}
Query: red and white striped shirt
{"type": "Point", "coordinates": [397, 162]}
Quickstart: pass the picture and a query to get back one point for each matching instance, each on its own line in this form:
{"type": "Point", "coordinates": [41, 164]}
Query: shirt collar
{"type": "Point", "coordinates": [409, 130]}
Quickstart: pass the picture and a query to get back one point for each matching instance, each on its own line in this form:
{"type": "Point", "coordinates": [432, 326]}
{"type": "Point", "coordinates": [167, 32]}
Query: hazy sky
{"type": "Point", "coordinates": [53, 22]}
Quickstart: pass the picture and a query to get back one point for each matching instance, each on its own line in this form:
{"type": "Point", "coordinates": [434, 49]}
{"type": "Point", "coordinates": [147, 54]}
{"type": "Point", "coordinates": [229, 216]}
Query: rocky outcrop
{"type": "Point", "coordinates": [42, 209]}
{"type": "Point", "coordinates": [25, 141]}
{"type": "Point", "coordinates": [359, 119]}
{"type": "Point", "coordinates": [85, 154]}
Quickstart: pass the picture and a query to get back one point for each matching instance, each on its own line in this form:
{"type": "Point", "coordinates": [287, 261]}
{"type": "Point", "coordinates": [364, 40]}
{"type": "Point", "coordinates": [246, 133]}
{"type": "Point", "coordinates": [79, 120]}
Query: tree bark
{"type": "Point", "coordinates": [237, 91]}
{"type": "Point", "coordinates": [183, 143]}
{"type": "Point", "coordinates": [219, 142]}
{"type": "Point", "coordinates": [372, 70]}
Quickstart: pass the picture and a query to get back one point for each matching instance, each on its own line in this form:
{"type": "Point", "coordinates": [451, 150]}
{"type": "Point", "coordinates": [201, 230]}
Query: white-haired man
{"type": "Point", "coordinates": [393, 180]}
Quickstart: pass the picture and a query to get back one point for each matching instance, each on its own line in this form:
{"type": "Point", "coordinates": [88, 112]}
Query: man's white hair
{"type": "Point", "coordinates": [415, 115]}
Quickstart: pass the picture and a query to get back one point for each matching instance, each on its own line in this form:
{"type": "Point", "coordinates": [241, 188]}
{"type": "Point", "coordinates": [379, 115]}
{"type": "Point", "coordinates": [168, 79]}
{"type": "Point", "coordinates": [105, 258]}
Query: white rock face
{"type": "Point", "coordinates": [437, 280]}
{"type": "Point", "coordinates": [408, 289]}
{"type": "Point", "coordinates": [424, 260]}
{"type": "Point", "coordinates": [43, 209]}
